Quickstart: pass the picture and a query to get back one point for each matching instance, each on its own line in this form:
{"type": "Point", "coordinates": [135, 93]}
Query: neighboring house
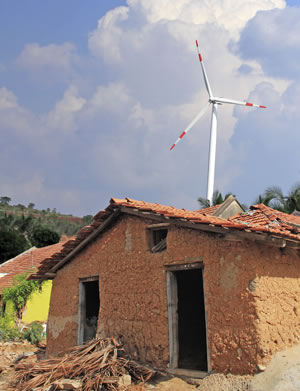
{"type": "Point", "coordinates": [228, 208]}
{"type": "Point", "coordinates": [187, 291]}
{"type": "Point", "coordinates": [37, 307]}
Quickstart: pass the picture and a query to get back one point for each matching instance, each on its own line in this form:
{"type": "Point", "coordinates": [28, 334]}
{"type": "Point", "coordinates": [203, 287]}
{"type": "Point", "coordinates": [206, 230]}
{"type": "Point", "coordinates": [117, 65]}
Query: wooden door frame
{"type": "Point", "coordinates": [82, 307]}
{"type": "Point", "coordinates": [172, 297]}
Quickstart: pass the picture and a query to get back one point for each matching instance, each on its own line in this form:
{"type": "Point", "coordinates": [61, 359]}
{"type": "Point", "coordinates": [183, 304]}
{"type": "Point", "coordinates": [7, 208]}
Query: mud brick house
{"type": "Point", "coordinates": [187, 291]}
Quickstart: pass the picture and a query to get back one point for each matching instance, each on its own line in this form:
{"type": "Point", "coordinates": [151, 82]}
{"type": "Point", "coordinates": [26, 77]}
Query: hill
{"type": "Point", "coordinates": [61, 223]}
{"type": "Point", "coordinates": [23, 227]}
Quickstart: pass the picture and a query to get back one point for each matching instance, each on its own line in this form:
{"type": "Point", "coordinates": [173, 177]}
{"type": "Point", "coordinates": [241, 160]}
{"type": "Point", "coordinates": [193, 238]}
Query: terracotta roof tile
{"type": "Point", "coordinates": [259, 218]}
{"type": "Point", "coordinates": [208, 211]}
{"type": "Point", "coordinates": [263, 218]}
{"type": "Point", "coordinates": [28, 261]}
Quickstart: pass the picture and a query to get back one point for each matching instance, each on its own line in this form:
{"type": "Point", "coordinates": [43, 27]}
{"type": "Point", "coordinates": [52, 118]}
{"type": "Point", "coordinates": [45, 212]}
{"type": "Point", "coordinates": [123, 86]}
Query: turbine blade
{"type": "Point", "coordinates": [237, 102]}
{"type": "Point", "coordinates": [204, 72]}
{"type": "Point", "coordinates": [198, 116]}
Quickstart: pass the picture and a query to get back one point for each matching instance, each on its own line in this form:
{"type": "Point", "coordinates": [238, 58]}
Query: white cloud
{"type": "Point", "coordinates": [273, 39]}
{"type": "Point", "coordinates": [111, 34]}
{"type": "Point", "coordinates": [156, 61]}
{"type": "Point", "coordinates": [62, 118]}
{"type": "Point", "coordinates": [15, 119]}
{"type": "Point", "coordinates": [115, 130]}
{"type": "Point", "coordinates": [34, 56]}
{"type": "Point", "coordinates": [7, 99]}
{"type": "Point", "coordinates": [230, 14]}
{"type": "Point", "coordinates": [111, 98]}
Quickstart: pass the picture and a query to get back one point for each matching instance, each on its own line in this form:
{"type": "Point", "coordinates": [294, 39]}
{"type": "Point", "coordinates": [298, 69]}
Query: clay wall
{"type": "Point", "coordinates": [276, 290]}
{"type": "Point", "coordinates": [244, 283]}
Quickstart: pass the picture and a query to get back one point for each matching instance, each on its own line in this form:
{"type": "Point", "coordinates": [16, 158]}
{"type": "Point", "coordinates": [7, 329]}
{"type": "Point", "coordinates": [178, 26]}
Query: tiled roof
{"type": "Point", "coordinates": [28, 261]}
{"type": "Point", "coordinates": [169, 211]}
{"type": "Point", "coordinates": [209, 211]}
{"type": "Point", "coordinates": [266, 219]}
{"type": "Point", "coordinates": [259, 219]}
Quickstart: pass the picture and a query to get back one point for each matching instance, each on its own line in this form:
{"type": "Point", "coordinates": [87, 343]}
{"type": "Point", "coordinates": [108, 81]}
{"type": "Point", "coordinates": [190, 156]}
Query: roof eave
{"type": "Point", "coordinates": [226, 233]}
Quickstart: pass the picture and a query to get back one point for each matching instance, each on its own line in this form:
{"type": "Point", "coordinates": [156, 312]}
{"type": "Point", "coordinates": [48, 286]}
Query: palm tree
{"type": "Point", "coordinates": [217, 199]}
{"type": "Point", "coordinates": [263, 199]}
{"type": "Point", "coordinates": [274, 197]}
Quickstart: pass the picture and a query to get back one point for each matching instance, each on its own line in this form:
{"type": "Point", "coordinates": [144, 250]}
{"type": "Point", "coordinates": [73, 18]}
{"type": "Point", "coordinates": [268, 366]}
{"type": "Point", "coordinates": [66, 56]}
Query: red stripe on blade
{"type": "Point", "coordinates": [197, 43]}
{"type": "Point", "coordinates": [263, 107]}
{"type": "Point", "coordinates": [172, 147]}
{"type": "Point", "coordinates": [249, 104]}
{"type": "Point", "coordinates": [200, 57]}
{"type": "Point", "coordinates": [182, 134]}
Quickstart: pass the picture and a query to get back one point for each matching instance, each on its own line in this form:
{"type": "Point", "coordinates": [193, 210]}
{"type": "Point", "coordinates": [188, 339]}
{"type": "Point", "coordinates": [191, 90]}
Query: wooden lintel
{"type": "Point", "coordinates": [50, 275]}
{"type": "Point", "coordinates": [185, 266]}
{"type": "Point", "coordinates": [158, 226]}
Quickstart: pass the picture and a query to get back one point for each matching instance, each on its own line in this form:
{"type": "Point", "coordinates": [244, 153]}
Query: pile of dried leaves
{"type": "Point", "coordinates": [99, 364]}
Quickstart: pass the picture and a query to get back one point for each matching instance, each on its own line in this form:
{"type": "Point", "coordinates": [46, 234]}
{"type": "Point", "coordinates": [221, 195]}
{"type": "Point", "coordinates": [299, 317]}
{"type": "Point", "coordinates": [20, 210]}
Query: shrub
{"type": "Point", "coordinates": [8, 331]}
{"type": "Point", "coordinates": [34, 333]}
{"type": "Point", "coordinates": [20, 292]}
{"type": "Point", "coordinates": [44, 236]}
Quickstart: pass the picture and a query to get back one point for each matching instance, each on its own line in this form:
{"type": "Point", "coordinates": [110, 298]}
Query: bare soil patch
{"type": "Point", "coordinates": [12, 351]}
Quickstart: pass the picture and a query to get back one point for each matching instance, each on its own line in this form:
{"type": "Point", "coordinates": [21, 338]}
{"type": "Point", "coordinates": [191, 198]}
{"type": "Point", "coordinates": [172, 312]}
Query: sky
{"type": "Point", "coordinates": [93, 94]}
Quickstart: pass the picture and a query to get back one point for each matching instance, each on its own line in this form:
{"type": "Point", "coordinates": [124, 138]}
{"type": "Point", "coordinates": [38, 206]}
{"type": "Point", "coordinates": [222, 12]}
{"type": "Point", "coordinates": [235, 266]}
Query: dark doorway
{"type": "Point", "coordinates": [89, 303]}
{"type": "Point", "coordinates": [192, 349]}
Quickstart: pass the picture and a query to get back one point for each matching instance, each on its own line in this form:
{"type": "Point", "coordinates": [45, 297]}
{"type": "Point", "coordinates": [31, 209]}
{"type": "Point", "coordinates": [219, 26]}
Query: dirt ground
{"type": "Point", "coordinates": [9, 352]}
{"type": "Point", "coordinates": [216, 382]}
{"type": "Point", "coordinates": [282, 374]}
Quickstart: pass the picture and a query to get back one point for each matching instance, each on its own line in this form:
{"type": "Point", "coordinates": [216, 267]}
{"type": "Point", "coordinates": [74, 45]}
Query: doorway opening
{"type": "Point", "coordinates": [187, 319]}
{"type": "Point", "coordinates": [89, 304]}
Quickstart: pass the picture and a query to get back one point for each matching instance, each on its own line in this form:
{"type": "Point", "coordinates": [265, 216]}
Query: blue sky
{"type": "Point", "coordinates": [93, 94]}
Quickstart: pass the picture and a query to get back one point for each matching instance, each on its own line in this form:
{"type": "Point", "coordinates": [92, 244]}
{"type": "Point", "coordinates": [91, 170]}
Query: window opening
{"type": "Point", "coordinates": [158, 240]}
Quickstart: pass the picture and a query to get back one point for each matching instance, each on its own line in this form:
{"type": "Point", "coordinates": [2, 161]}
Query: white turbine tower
{"type": "Point", "coordinates": [213, 128]}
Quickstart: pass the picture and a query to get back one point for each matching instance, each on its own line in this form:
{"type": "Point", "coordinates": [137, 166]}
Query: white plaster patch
{"type": "Point", "coordinates": [57, 324]}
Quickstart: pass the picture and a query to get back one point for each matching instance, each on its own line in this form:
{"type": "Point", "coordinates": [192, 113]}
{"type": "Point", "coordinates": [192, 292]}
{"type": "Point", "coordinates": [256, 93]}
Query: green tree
{"type": "Point", "coordinates": [20, 292]}
{"type": "Point", "coordinates": [217, 199]}
{"type": "Point", "coordinates": [12, 243]}
{"type": "Point", "coordinates": [263, 199]}
{"type": "Point", "coordinates": [5, 200]}
{"type": "Point", "coordinates": [274, 197]}
{"type": "Point", "coordinates": [44, 236]}
{"type": "Point", "coordinates": [25, 224]}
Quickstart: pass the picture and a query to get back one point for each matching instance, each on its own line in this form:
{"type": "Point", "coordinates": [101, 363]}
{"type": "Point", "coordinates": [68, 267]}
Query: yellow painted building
{"type": "Point", "coordinates": [37, 307]}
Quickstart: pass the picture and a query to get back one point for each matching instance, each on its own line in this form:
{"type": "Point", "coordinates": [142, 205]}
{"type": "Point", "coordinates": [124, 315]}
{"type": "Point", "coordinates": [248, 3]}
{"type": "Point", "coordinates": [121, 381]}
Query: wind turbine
{"type": "Point", "coordinates": [214, 101]}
